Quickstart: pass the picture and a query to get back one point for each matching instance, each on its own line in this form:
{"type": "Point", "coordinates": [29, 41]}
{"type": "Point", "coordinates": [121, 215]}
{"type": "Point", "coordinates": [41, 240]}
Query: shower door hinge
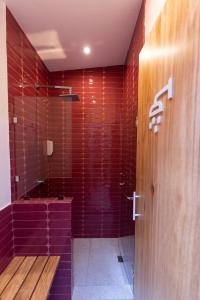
{"type": "Point", "coordinates": [17, 178]}
{"type": "Point", "coordinates": [15, 120]}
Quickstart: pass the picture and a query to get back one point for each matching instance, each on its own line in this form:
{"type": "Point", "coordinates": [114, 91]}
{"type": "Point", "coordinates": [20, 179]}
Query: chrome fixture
{"type": "Point", "coordinates": [17, 178]}
{"type": "Point", "coordinates": [69, 97]}
{"type": "Point", "coordinates": [135, 196]}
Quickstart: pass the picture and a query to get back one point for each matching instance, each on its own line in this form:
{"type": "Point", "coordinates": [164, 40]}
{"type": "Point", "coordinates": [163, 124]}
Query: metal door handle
{"type": "Point", "coordinates": [135, 196]}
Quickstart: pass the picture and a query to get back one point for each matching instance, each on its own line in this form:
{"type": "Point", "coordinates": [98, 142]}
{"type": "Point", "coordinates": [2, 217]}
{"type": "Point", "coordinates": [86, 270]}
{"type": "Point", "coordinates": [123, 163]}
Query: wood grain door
{"type": "Point", "coordinates": [168, 162]}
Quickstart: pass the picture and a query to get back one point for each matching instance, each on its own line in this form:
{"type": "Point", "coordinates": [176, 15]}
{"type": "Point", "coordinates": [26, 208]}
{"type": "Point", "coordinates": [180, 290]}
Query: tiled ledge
{"type": "Point", "coordinates": [43, 200]}
{"type": "Point", "coordinates": [6, 237]}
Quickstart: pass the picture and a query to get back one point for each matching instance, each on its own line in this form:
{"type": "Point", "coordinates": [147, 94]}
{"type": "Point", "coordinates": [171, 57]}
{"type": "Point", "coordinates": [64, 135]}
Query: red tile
{"type": "Point", "coordinates": [59, 296]}
{"type": "Point", "coordinates": [31, 207]}
{"type": "Point", "coordinates": [60, 240]}
{"type": "Point", "coordinates": [34, 241]}
{"type": "Point", "coordinates": [62, 224]}
{"type": "Point", "coordinates": [31, 250]}
{"type": "Point", "coordinates": [58, 207]}
{"type": "Point", "coordinates": [61, 249]}
{"type": "Point", "coordinates": [23, 232]}
{"type": "Point", "coordinates": [30, 224]}
{"type": "Point", "coordinates": [59, 215]}
{"type": "Point", "coordinates": [6, 237]}
{"type": "Point", "coordinates": [26, 215]}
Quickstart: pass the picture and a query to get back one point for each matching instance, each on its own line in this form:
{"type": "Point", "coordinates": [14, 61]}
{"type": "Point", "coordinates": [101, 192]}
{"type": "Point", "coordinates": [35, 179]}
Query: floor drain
{"type": "Point", "coordinates": [120, 259]}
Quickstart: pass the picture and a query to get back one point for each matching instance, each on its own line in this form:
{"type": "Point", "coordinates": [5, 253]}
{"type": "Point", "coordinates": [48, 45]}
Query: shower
{"type": "Point", "coordinates": [70, 97]}
{"type": "Point", "coordinates": [67, 97]}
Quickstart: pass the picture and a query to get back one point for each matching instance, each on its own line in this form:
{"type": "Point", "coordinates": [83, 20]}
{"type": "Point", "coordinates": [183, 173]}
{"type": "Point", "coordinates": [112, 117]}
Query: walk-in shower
{"type": "Point", "coordinates": [42, 119]}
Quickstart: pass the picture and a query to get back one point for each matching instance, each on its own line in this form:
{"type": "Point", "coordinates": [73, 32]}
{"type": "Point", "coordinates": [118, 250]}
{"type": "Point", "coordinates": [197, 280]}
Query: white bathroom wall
{"type": "Point", "coordinates": [152, 11]}
{"type": "Point", "coordinates": [5, 188]}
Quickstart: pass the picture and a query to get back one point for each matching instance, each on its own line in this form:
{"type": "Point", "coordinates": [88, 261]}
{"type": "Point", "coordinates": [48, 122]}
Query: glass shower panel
{"type": "Point", "coordinates": [42, 136]}
{"type": "Point", "coordinates": [60, 132]}
{"type": "Point", "coordinates": [30, 132]}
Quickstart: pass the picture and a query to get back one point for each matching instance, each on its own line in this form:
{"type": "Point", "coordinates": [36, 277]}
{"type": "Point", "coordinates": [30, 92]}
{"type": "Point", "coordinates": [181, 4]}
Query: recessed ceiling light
{"type": "Point", "coordinates": [86, 50]}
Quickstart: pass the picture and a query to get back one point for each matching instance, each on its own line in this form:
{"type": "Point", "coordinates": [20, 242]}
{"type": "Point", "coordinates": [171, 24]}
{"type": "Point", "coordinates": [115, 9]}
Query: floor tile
{"type": "Point", "coordinates": [81, 261]}
{"type": "Point", "coordinates": [102, 293]}
{"type": "Point", "coordinates": [104, 270]}
{"type": "Point", "coordinates": [97, 273]}
{"type": "Point", "coordinates": [105, 246]}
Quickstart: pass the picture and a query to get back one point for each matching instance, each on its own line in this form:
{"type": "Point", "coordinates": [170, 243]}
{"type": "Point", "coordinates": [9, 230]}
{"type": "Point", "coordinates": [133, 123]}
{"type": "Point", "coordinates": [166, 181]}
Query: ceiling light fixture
{"type": "Point", "coordinates": [86, 50]}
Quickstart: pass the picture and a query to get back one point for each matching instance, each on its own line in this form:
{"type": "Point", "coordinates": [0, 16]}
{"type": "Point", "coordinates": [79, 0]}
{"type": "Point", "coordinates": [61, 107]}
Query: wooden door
{"type": "Point", "coordinates": [168, 162]}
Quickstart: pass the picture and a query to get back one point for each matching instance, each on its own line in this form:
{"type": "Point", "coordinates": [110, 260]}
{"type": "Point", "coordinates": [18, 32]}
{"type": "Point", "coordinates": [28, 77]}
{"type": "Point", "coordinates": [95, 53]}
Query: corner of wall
{"type": "Point", "coordinates": [5, 185]}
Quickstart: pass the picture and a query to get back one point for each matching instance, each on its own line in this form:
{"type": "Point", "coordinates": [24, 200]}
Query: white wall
{"type": "Point", "coordinates": [5, 188]}
{"type": "Point", "coordinates": [152, 11]}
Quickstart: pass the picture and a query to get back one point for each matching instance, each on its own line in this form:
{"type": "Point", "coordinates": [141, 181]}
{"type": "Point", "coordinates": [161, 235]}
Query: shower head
{"type": "Point", "coordinates": [66, 97]}
{"type": "Point", "coordinates": [70, 97]}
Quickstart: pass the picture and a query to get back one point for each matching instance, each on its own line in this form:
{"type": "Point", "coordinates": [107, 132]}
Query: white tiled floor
{"type": "Point", "coordinates": [97, 273]}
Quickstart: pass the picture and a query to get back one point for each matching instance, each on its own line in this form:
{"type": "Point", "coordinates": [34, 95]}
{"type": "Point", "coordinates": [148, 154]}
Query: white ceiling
{"type": "Point", "coordinates": [59, 29]}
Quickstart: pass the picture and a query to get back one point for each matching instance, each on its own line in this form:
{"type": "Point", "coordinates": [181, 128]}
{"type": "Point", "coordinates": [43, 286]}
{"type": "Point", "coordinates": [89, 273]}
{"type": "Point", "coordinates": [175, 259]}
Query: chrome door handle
{"type": "Point", "coordinates": [135, 196]}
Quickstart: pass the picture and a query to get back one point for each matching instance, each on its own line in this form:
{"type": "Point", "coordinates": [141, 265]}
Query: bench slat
{"type": "Point", "coordinates": [17, 280]}
{"type": "Point", "coordinates": [32, 278]}
{"type": "Point", "coordinates": [9, 272]}
{"type": "Point", "coordinates": [42, 289]}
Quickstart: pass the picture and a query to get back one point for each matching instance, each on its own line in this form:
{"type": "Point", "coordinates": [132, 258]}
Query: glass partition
{"type": "Point", "coordinates": [38, 119]}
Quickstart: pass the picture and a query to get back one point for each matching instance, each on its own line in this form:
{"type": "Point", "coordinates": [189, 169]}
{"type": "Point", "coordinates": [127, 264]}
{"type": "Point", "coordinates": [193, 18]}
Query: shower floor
{"type": "Point", "coordinates": [97, 273]}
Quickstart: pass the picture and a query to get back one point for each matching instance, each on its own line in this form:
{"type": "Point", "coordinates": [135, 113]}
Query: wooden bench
{"type": "Point", "coordinates": [28, 277]}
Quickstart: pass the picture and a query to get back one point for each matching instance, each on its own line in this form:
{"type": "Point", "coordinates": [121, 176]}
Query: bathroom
{"type": "Point", "coordinates": [73, 149]}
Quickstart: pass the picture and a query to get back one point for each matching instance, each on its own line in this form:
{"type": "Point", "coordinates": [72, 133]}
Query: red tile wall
{"type": "Point", "coordinates": [94, 139]}
{"type": "Point", "coordinates": [29, 106]}
{"type": "Point", "coordinates": [92, 152]}
{"type": "Point", "coordinates": [6, 237]}
{"type": "Point", "coordinates": [87, 137]}
{"type": "Point", "coordinates": [44, 228]}
{"type": "Point", "coordinates": [129, 129]}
